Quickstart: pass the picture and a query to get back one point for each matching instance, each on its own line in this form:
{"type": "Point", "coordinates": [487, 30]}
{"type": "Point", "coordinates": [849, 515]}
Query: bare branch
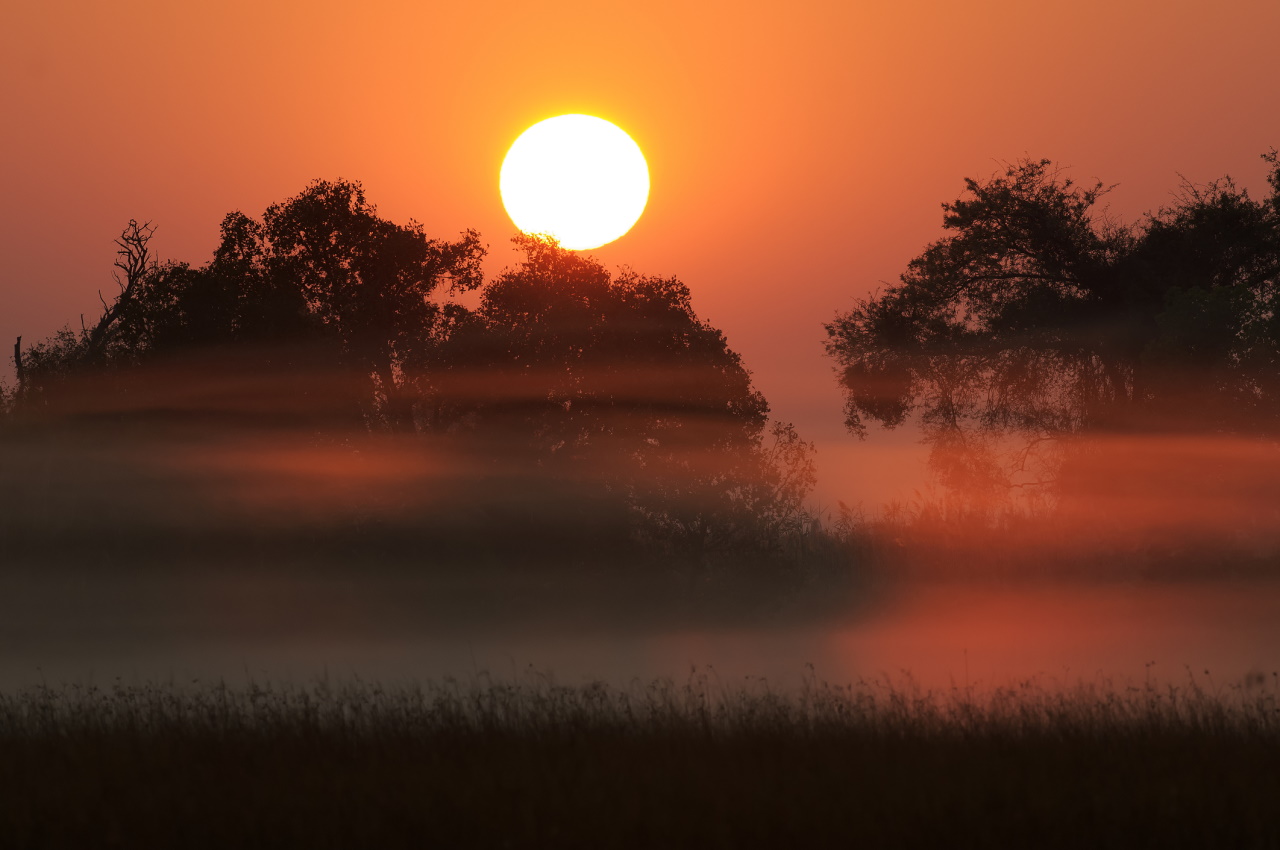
{"type": "Point", "coordinates": [135, 260]}
{"type": "Point", "coordinates": [17, 363]}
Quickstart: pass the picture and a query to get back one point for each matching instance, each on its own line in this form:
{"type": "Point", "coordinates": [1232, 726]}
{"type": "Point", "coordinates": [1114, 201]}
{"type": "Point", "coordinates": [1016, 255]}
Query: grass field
{"type": "Point", "coordinates": [694, 764]}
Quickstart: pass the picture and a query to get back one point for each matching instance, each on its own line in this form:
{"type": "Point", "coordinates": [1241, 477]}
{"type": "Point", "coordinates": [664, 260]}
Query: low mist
{"type": "Point", "coordinates": [219, 525]}
{"type": "Point", "coordinates": [1153, 505]}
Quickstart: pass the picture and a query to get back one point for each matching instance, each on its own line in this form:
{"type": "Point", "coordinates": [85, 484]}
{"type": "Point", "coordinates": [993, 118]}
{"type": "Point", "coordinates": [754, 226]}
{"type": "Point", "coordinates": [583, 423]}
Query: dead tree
{"type": "Point", "coordinates": [134, 261]}
{"type": "Point", "coordinates": [17, 366]}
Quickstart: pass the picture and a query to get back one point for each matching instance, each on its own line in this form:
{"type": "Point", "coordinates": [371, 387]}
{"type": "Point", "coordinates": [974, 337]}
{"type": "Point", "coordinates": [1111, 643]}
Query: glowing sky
{"type": "Point", "coordinates": [799, 152]}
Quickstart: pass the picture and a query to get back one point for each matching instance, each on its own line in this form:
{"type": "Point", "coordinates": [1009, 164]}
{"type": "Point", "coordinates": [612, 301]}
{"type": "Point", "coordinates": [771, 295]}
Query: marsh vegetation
{"type": "Point", "coordinates": [697, 763]}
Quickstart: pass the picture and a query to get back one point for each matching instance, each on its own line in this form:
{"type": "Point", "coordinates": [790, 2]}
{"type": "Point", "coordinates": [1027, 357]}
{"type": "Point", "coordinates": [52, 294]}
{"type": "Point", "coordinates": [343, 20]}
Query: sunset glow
{"type": "Point", "coordinates": [663, 424]}
{"type": "Point", "coordinates": [577, 178]}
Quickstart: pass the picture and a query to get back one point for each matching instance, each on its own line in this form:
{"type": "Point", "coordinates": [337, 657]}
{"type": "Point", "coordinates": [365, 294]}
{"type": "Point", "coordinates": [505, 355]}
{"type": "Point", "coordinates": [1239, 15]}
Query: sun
{"type": "Point", "coordinates": [576, 178]}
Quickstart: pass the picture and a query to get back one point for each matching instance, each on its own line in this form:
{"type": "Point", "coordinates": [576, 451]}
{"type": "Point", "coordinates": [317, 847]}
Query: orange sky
{"type": "Point", "coordinates": [799, 151]}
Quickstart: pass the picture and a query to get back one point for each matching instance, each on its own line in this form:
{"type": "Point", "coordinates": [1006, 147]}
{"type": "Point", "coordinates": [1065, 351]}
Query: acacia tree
{"type": "Point", "coordinates": [1038, 316]}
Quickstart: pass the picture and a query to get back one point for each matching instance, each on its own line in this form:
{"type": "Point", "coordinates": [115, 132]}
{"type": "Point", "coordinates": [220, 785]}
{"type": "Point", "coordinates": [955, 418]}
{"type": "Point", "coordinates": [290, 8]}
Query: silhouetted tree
{"type": "Point", "coordinates": [617, 381]}
{"type": "Point", "coordinates": [603, 396]}
{"type": "Point", "coordinates": [67, 351]}
{"type": "Point", "coordinates": [369, 282]}
{"type": "Point", "coordinates": [1040, 317]}
{"type": "Point", "coordinates": [322, 279]}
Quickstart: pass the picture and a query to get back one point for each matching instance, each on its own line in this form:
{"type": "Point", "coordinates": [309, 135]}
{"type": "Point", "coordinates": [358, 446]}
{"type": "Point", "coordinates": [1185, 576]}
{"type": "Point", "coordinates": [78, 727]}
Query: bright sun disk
{"type": "Point", "coordinates": [577, 178]}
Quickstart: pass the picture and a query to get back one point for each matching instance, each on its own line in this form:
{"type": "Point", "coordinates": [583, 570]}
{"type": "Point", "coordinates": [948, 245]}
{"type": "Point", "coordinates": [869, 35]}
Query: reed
{"type": "Point", "coordinates": [530, 762]}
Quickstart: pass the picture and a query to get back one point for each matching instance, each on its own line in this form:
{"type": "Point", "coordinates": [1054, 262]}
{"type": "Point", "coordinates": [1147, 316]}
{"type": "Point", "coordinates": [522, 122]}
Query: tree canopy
{"type": "Point", "coordinates": [618, 378]}
{"type": "Point", "coordinates": [322, 272]}
{"type": "Point", "coordinates": [1039, 315]}
{"type": "Point", "coordinates": [562, 369]}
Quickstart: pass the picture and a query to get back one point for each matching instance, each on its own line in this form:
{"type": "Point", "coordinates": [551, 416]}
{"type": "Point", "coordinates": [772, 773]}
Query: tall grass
{"type": "Point", "coordinates": [698, 763]}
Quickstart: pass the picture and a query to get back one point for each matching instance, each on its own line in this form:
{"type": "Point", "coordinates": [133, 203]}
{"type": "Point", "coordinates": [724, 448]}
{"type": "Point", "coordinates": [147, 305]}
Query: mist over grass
{"type": "Point", "coordinates": [666, 763]}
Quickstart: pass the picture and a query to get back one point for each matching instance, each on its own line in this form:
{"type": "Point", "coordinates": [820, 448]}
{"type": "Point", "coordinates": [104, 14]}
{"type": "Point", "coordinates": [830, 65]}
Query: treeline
{"type": "Point", "coordinates": [1119, 379]}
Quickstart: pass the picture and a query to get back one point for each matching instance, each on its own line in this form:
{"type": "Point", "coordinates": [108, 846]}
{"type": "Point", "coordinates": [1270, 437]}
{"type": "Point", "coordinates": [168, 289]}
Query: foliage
{"type": "Point", "coordinates": [369, 282]}
{"type": "Point", "coordinates": [617, 380]}
{"type": "Point", "coordinates": [1040, 317]}
{"type": "Point", "coordinates": [321, 270]}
